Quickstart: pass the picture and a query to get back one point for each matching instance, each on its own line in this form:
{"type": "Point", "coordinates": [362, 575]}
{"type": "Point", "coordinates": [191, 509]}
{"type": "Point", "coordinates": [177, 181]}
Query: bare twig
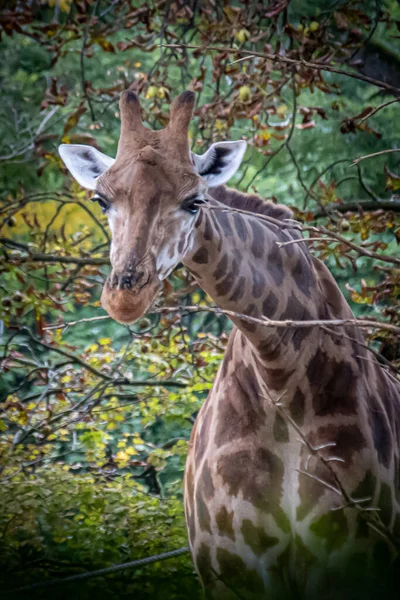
{"type": "Point", "coordinates": [66, 325]}
{"type": "Point", "coordinates": [82, 61]}
{"type": "Point", "coordinates": [375, 110]}
{"type": "Point", "coordinates": [292, 224]}
{"type": "Point", "coordinates": [265, 322]}
{"type": "Point", "coordinates": [357, 160]}
{"type": "Point", "coordinates": [370, 514]}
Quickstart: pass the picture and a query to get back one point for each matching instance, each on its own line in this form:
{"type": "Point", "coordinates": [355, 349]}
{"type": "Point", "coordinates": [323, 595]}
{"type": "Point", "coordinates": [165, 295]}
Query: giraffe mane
{"type": "Point", "coordinates": [250, 202]}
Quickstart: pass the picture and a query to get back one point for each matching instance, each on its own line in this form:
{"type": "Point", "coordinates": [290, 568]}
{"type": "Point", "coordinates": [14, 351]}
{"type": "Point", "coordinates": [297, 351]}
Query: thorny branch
{"type": "Point", "coordinates": [291, 224]}
{"type": "Point", "coordinates": [370, 514]}
{"type": "Point", "coordinates": [265, 322]}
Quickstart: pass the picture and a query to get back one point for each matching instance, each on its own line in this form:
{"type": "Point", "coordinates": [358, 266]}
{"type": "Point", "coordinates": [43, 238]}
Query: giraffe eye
{"type": "Point", "coordinates": [192, 204]}
{"type": "Point", "coordinates": [101, 202]}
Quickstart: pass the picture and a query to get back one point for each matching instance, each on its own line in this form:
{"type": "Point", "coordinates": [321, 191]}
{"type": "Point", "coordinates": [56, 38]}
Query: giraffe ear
{"type": "Point", "coordinates": [85, 163]}
{"type": "Point", "coordinates": [220, 162]}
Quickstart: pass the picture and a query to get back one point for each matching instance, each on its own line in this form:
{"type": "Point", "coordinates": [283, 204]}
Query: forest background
{"type": "Point", "coordinates": [95, 417]}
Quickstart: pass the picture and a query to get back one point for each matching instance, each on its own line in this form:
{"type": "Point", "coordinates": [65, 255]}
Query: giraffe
{"type": "Point", "coordinates": [291, 485]}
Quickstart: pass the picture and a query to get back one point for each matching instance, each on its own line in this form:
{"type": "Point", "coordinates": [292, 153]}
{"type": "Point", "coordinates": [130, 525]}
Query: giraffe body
{"type": "Point", "coordinates": [292, 476]}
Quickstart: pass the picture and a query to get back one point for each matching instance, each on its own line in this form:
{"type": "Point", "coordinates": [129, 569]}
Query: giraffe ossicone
{"type": "Point", "coordinates": [292, 475]}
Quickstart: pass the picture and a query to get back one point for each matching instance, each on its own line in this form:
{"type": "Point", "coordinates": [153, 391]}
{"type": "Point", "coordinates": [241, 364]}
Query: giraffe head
{"type": "Point", "coordinates": [151, 193]}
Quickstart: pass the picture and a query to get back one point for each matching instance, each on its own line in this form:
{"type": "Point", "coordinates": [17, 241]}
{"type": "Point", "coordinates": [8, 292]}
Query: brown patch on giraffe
{"type": "Point", "coordinates": [297, 407]}
{"type": "Point", "coordinates": [257, 474]}
{"type": "Point", "coordinates": [270, 305]}
{"type": "Point", "coordinates": [207, 230]}
{"type": "Point", "coordinates": [348, 439]}
{"type": "Point", "coordinates": [239, 414]}
{"type": "Point", "coordinates": [333, 528]}
{"type": "Point", "coordinates": [296, 311]}
{"type": "Point", "coordinates": [281, 431]}
{"type": "Point", "coordinates": [304, 554]}
{"type": "Point", "coordinates": [257, 246]}
{"type": "Point", "coordinates": [240, 226]}
{"type": "Point", "coordinates": [221, 268]}
{"type": "Point", "coordinates": [277, 378]}
{"type": "Point", "coordinates": [385, 504]}
{"type": "Point", "coordinates": [380, 431]}
{"type": "Point", "coordinates": [275, 264]}
{"type": "Point", "coordinates": [303, 276]}
{"type": "Point", "coordinates": [204, 564]}
{"type": "Point", "coordinates": [238, 292]}
{"type": "Point", "coordinates": [256, 537]}
{"type": "Point", "coordinates": [203, 514]}
{"type": "Point", "coordinates": [259, 283]}
{"type": "Point", "coordinates": [224, 520]}
{"type": "Point", "coordinates": [250, 311]}
{"type": "Point", "coordinates": [234, 571]}
{"type": "Point", "coordinates": [201, 256]}
{"type": "Point", "coordinates": [333, 385]}
{"type": "Point", "coordinates": [225, 286]}
{"type": "Point", "coordinates": [202, 436]}
{"type": "Point", "coordinates": [206, 482]}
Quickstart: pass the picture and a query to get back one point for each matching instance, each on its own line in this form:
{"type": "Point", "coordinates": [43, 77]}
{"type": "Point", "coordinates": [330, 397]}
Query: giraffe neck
{"type": "Point", "coordinates": [237, 260]}
{"type": "Point", "coordinates": [258, 499]}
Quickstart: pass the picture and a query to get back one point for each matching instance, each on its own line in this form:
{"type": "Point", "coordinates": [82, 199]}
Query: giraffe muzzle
{"type": "Point", "coordinates": [128, 295]}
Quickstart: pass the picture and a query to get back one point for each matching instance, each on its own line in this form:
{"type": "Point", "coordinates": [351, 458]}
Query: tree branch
{"type": "Point", "coordinates": [52, 258]}
{"type": "Point", "coordinates": [291, 61]}
{"type": "Point", "coordinates": [357, 160]}
{"type": "Point", "coordinates": [265, 322]}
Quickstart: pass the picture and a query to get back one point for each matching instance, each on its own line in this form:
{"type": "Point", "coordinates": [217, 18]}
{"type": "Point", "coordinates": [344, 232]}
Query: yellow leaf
{"type": "Point", "coordinates": [122, 455]}
{"type": "Point", "coordinates": [131, 451]}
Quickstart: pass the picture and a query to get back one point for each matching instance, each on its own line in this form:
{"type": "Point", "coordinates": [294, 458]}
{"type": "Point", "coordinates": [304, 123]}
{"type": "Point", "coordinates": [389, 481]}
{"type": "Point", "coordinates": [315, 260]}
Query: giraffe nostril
{"type": "Point", "coordinates": [125, 283]}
